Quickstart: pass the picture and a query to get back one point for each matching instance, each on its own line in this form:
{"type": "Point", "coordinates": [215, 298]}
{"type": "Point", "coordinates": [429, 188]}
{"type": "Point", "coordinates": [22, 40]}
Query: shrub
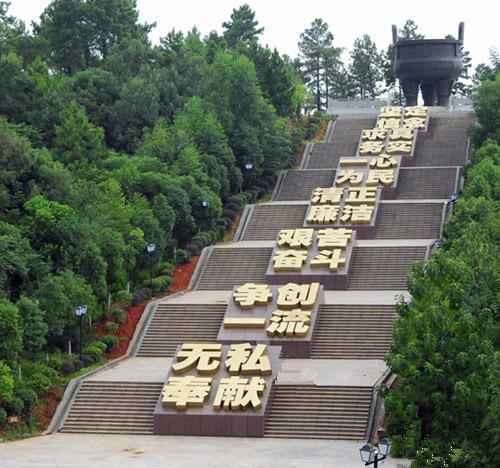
{"type": "Point", "coordinates": [193, 249]}
{"type": "Point", "coordinates": [14, 406]}
{"type": "Point", "coordinates": [203, 237]}
{"type": "Point", "coordinates": [141, 295]}
{"type": "Point", "coordinates": [239, 199]}
{"type": "Point", "coordinates": [118, 316]}
{"type": "Point", "coordinates": [123, 297]}
{"type": "Point", "coordinates": [270, 179]}
{"type": "Point", "coordinates": [232, 206]}
{"type": "Point", "coordinates": [111, 327]}
{"type": "Point", "coordinates": [96, 353]}
{"type": "Point", "coordinates": [87, 360]}
{"type": "Point", "coordinates": [3, 417]}
{"type": "Point", "coordinates": [262, 184]}
{"type": "Point", "coordinates": [28, 396]}
{"type": "Point", "coordinates": [253, 194]}
{"type": "Point", "coordinates": [67, 367]}
{"type": "Point", "coordinates": [229, 223]}
{"type": "Point", "coordinates": [230, 214]}
{"type": "Point", "coordinates": [100, 345]}
{"type": "Point", "coordinates": [221, 227]}
{"type": "Point", "coordinates": [78, 364]}
{"type": "Point", "coordinates": [181, 256]}
{"type": "Point", "coordinates": [261, 192]}
{"type": "Point", "coordinates": [110, 341]}
{"type": "Point", "coordinates": [40, 383]}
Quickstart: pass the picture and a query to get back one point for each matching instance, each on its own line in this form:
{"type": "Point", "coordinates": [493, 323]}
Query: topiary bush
{"type": "Point", "coordinates": [111, 327]}
{"type": "Point", "coordinates": [95, 352]}
{"type": "Point", "coordinates": [110, 341]}
{"type": "Point", "coordinates": [118, 316]}
{"type": "Point", "coordinates": [87, 360]}
{"type": "Point", "coordinates": [123, 297]}
{"type": "Point", "coordinates": [230, 214]}
{"type": "Point", "coordinates": [193, 250]}
{"type": "Point", "coordinates": [67, 368]}
{"type": "Point", "coordinates": [78, 364]}
{"type": "Point", "coordinates": [161, 283]}
{"type": "Point", "coordinates": [181, 256]}
{"type": "Point", "coordinates": [141, 295]}
{"type": "Point", "coordinates": [232, 206]}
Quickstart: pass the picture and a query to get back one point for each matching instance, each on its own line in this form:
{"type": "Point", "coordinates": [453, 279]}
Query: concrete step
{"type": "Point", "coordinates": [299, 184]}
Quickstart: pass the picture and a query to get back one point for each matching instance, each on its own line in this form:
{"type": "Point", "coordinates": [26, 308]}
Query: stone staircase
{"type": "Point", "coordinates": [446, 142]}
{"type": "Point", "coordinates": [228, 267]}
{"type": "Point", "coordinates": [427, 183]}
{"type": "Point", "coordinates": [408, 220]}
{"type": "Point", "coordinates": [353, 332]}
{"type": "Point", "coordinates": [383, 268]}
{"type": "Point", "coordinates": [299, 184]}
{"type": "Point", "coordinates": [113, 408]}
{"type": "Point", "coordinates": [266, 221]}
{"type": "Point", "coordinates": [174, 324]}
{"type": "Point", "coordinates": [345, 139]}
{"type": "Point", "coordinates": [311, 412]}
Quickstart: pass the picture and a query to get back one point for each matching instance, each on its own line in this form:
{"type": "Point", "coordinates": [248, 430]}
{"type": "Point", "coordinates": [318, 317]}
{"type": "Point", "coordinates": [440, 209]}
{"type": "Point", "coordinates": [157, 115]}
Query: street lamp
{"type": "Point", "coordinates": [454, 198]}
{"type": "Point", "coordinates": [151, 248]}
{"type": "Point", "coordinates": [80, 312]}
{"type": "Point", "coordinates": [437, 243]}
{"type": "Point", "coordinates": [248, 166]}
{"type": "Point", "coordinates": [370, 456]}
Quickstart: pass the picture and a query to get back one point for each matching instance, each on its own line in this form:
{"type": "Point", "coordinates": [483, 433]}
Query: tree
{"type": "Point", "coordinates": [78, 142]}
{"type": "Point", "coordinates": [11, 333]}
{"type": "Point", "coordinates": [318, 59]}
{"type": "Point", "coordinates": [32, 324]}
{"type": "Point", "coordinates": [486, 101]}
{"type": "Point", "coordinates": [366, 68]}
{"type": "Point", "coordinates": [80, 33]}
{"type": "Point", "coordinates": [242, 28]}
{"type": "Point", "coordinates": [58, 296]}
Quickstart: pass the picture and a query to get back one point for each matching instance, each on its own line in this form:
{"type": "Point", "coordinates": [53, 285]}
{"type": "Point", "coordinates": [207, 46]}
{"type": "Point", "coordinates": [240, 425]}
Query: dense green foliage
{"type": "Point", "coordinates": [107, 144]}
{"type": "Point", "coordinates": [444, 410]}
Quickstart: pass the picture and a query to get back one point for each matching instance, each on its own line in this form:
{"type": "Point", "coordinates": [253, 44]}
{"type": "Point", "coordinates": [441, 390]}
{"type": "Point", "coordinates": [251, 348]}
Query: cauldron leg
{"type": "Point", "coordinates": [410, 90]}
{"type": "Point", "coordinates": [443, 89]}
{"type": "Point", "coordinates": [429, 93]}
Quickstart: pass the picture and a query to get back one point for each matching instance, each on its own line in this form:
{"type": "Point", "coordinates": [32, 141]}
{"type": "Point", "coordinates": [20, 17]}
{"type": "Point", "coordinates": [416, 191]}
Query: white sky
{"type": "Point", "coordinates": [285, 20]}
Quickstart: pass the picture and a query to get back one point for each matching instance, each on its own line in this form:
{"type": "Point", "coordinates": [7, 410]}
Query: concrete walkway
{"type": "Point", "coordinates": [79, 450]}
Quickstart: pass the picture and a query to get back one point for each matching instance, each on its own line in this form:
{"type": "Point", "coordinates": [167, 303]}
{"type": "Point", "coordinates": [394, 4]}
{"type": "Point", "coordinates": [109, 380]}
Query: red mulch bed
{"type": "Point", "coordinates": [181, 276]}
{"type": "Point", "coordinates": [45, 411]}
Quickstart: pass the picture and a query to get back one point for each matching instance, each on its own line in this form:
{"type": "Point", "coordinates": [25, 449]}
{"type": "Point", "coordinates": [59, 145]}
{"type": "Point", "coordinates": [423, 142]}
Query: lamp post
{"type": "Point", "coordinates": [80, 312]}
{"type": "Point", "coordinates": [370, 456]}
{"type": "Point", "coordinates": [204, 205]}
{"type": "Point", "coordinates": [151, 248]}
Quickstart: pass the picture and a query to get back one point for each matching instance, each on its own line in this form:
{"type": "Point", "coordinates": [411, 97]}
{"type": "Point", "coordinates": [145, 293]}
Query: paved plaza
{"type": "Point", "coordinates": [81, 450]}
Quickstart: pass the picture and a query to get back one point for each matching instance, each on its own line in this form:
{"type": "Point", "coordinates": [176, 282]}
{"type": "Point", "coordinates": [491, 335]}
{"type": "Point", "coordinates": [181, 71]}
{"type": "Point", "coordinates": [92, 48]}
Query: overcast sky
{"type": "Point", "coordinates": [285, 20]}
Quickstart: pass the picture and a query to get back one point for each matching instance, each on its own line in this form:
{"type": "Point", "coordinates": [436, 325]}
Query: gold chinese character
{"type": "Point", "coordinates": [294, 322]}
{"type": "Point", "coordinates": [383, 176]}
{"type": "Point", "coordinates": [182, 392]}
{"type": "Point", "coordinates": [414, 122]}
{"type": "Point", "coordinates": [327, 196]}
{"type": "Point", "coordinates": [323, 214]}
{"type": "Point", "coordinates": [399, 147]}
{"type": "Point", "coordinates": [359, 195]}
{"type": "Point", "coordinates": [250, 294]}
{"type": "Point", "coordinates": [361, 214]}
{"type": "Point", "coordinates": [391, 112]}
{"type": "Point", "coordinates": [204, 356]}
{"type": "Point", "coordinates": [334, 238]}
{"type": "Point", "coordinates": [388, 124]}
{"type": "Point", "coordinates": [371, 147]}
{"type": "Point", "coordinates": [289, 260]}
{"type": "Point", "coordinates": [237, 393]}
{"type": "Point", "coordinates": [243, 358]}
{"type": "Point", "coordinates": [295, 238]}
{"type": "Point", "coordinates": [294, 295]}
{"type": "Point", "coordinates": [402, 134]}
{"type": "Point", "coordinates": [330, 259]}
{"type": "Point", "coordinates": [351, 176]}
{"type": "Point", "coordinates": [384, 161]}
{"type": "Point", "coordinates": [374, 134]}
{"type": "Point", "coordinates": [246, 322]}
{"type": "Point", "coordinates": [353, 161]}
{"type": "Point", "coordinates": [416, 111]}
